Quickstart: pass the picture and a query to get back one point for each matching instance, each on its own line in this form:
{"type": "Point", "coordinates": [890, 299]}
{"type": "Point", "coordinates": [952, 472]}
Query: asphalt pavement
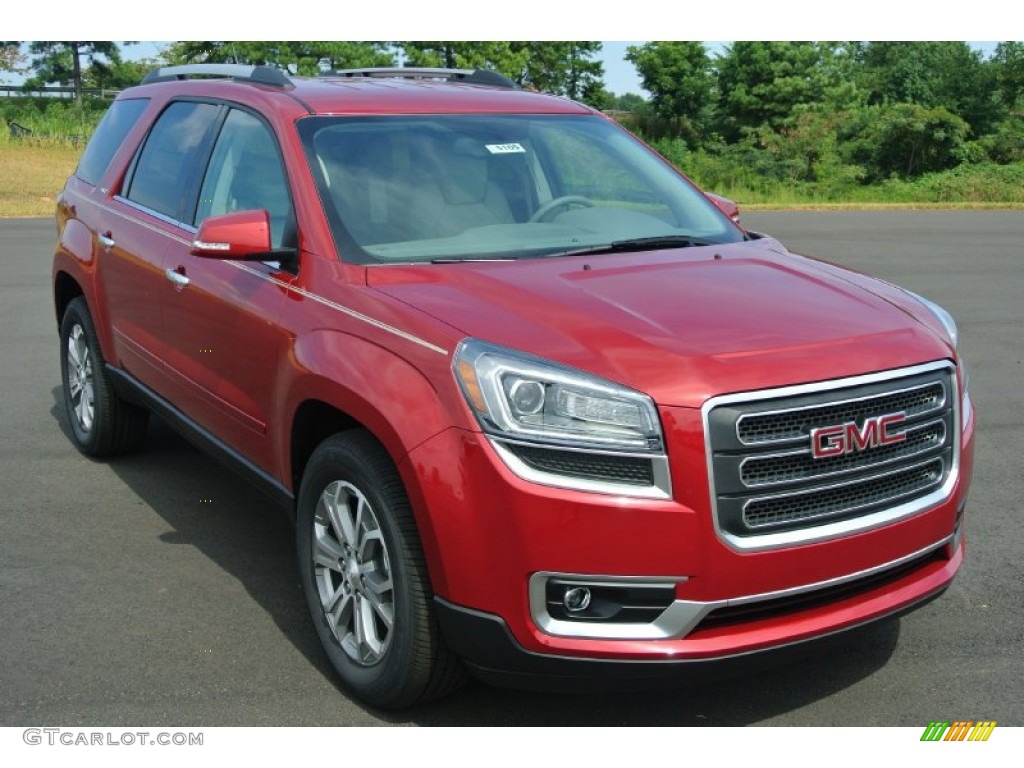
{"type": "Point", "coordinates": [159, 589]}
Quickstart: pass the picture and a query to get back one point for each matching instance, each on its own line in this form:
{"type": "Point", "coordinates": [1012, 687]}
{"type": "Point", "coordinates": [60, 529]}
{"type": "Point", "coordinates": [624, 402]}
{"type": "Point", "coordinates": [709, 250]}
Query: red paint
{"type": "Point", "coordinates": [245, 344]}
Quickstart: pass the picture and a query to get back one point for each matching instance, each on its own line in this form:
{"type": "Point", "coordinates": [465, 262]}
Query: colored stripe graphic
{"type": "Point", "coordinates": [959, 730]}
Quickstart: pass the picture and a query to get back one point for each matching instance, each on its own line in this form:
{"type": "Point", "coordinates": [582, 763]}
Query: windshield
{"type": "Point", "coordinates": [455, 187]}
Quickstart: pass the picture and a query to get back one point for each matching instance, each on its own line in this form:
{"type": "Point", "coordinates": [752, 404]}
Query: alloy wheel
{"type": "Point", "coordinates": [353, 573]}
{"type": "Point", "coordinates": [80, 378]}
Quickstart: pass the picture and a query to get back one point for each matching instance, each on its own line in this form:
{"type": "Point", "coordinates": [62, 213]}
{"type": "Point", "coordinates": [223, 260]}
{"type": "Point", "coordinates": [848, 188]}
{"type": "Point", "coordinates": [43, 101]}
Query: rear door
{"type": "Point", "coordinates": [140, 223]}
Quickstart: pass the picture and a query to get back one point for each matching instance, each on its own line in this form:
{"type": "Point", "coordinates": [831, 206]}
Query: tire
{"type": "Point", "coordinates": [365, 579]}
{"type": "Point", "coordinates": [102, 424]}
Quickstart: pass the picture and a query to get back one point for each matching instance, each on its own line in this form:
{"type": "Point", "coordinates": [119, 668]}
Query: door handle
{"type": "Point", "coordinates": [106, 240]}
{"type": "Point", "coordinates": [176, 277]}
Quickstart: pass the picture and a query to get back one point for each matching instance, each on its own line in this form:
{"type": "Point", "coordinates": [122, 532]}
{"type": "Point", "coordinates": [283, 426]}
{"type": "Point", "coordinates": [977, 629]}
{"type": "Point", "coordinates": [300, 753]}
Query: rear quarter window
{"type": "Point", "coordinates": [109, 135]}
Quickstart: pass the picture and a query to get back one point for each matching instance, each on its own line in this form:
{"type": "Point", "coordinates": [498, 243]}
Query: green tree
{"type": "Point", "coordinates": [297, 57]}
{"type": "Point", "coordinates": [677, 75]}
{"type": "Point", "coordinates": [932, 74]}
{"type": "Point", "coordinates": [629, 102]}
{"type": "Point", "coordinates": [904, 140]}
{"type": "Point", "coordinates": [500, 56]}
{"type": "Point", "coordinates": [1006, 142]}
{"type": "Point", "coordinates": [1008, 65]}
{"type": "Point", "coordinates": [11, 57]}
{"type": "Point", "coordinates": [344, 54]}
{"type": "Point", "coordinates": [763, 83]}
{"type": "Point", "coordinates": [116, 75]}
{"type": "Point", "coordinates": [807, 143]}
{"type": "Point", "coordinates": [565, 68]}
{"type": "Point", "coordinates": [562, 67]}
{"type": "Point", "coordinates": [61, 62]}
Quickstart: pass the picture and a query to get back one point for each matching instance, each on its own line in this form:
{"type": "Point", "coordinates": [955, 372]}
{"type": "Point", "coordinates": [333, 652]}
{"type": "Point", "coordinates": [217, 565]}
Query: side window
{"type": "Point", "coordinates": [245, 174]}
{"type": "Point", "coordinates": [164, 167]}
{"type": "Point", "coordinates": [106, 140]}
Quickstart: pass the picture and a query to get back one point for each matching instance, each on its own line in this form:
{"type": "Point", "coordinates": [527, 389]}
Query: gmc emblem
{"type": "Point", "coordinates": [846, 438]}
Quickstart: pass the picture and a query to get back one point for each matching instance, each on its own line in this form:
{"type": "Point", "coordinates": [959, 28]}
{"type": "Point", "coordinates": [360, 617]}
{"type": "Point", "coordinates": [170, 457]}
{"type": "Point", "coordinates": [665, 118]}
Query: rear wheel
{"type": "Point", "coordinates": [365, 579]}
{"type": "Point", "coordinates": [101, 422]}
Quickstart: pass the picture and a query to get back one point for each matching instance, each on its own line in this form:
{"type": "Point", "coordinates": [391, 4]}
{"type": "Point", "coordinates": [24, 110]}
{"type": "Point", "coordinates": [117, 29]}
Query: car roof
{"type": "Point", "coordinates": [375, 91]}
{"type": "Point", "coordinates": [397, 95]}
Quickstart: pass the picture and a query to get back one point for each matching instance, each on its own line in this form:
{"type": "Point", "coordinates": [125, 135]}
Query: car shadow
{"type": "Point", "coordinates": [252, 540]}
{"type": "Point", "coordinates": [750, 691]}
{"type": "Point", "coordinates": [243, 533]}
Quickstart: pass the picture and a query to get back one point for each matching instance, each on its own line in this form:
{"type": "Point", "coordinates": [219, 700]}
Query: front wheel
{"type": "Point", "coordinates": [364, 576]}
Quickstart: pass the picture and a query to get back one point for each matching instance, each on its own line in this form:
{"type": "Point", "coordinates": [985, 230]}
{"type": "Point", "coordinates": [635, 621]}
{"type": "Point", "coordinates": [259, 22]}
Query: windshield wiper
{"type": "Point", "coordinates": [616, 246]}
{"type": "Point", "coordinates": [460, 259]}
{"type": "Point", "coordinates": [635, 244]}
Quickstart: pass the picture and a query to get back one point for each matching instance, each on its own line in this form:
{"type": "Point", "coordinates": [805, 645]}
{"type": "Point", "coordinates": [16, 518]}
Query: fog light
{"type": "Point", "coordinates": [576, 599]}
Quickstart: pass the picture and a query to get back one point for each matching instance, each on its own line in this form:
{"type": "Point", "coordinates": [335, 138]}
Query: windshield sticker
{"type": "Point", "coordinates": [504, 149]}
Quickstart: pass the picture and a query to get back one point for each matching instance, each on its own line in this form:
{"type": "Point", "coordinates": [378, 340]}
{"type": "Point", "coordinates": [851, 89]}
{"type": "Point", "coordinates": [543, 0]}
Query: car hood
{"type": "Point", "coordinates": [681, 325]}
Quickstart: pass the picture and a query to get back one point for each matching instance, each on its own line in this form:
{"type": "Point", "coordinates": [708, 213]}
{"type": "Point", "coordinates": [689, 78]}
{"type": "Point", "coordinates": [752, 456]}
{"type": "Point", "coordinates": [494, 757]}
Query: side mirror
{"type": "Point", "coordinates": [241, 235]}
{"type": "Point", "coordinates": [725, 205]}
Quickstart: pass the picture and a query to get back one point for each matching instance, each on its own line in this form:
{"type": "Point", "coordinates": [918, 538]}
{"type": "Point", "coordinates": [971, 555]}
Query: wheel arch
{"type": "Point", "coordinates": [65, 290]}
{"type": "Point", "coordinates": [359, 385]}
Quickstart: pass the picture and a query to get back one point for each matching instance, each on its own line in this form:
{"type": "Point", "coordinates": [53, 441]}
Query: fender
{"type": "Point", "coordinates": [381, 390]}
{"type": "Point", "coordinates": [75, 256]}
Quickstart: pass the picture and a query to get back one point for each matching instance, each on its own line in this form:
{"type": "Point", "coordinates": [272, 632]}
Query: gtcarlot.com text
{"type": "Point", "coordinates": [75, 738]}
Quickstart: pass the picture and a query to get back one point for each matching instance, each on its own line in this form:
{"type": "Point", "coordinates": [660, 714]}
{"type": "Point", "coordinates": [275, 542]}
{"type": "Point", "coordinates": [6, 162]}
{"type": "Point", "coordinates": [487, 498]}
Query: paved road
{"type": "Point", "coordinates": [124, 600]}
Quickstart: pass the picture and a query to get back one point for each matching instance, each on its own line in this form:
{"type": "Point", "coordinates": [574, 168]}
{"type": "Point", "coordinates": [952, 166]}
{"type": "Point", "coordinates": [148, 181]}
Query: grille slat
{"type": "Point", "coordinates": [794, 424]}
{"type": "Point", "coordinates": [777, 469]}
{"type": "Point", "coordinates": [766, 480]}
{"type": "Point", "coordinates": [839, 500]}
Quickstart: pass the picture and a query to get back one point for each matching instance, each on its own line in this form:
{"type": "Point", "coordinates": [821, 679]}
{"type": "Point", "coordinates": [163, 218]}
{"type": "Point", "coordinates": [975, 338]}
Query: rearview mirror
{"type": "Point", "coordinates": [725, 205]}
{"type": "Point", "coordinates": [241, 235]}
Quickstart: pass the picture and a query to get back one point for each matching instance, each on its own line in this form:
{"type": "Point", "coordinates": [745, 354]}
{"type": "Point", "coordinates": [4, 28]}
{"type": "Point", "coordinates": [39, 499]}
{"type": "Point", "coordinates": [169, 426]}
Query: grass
{"type": "Point", "coordinates": [34, 171]}
{"type": "Point", "coordinates": [33, 174]}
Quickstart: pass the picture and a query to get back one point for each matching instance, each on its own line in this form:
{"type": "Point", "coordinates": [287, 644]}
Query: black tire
{"type": "Point", "coordinates": [101, 422]}
{"type": "Point", "coordinates": [351, 476]}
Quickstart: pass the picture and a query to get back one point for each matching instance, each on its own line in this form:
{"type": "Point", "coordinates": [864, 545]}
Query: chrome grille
{"type": "Point", "coordinates": [765, 479]}
{"type": "Point", "coordinates": [800, 465]}
{"type": "Point", "coordinates": [794, 424]}
{"type": "Point", "coordinates": [837, 500]}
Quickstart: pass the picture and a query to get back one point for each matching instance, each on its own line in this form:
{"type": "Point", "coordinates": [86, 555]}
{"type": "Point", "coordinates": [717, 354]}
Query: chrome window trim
{"type": "Point", "coordinates": [840, 528]}
{"type": "Point", "coordinates": [682, 616]}
{"type": "Point", "coordinates": [156, 215]}
{"type": "Point", "coordinates": [838, 472]}
{"type": "Point", "coordinates": [660, 490]}
{"type": "Point", "coordinates": [761, 443]}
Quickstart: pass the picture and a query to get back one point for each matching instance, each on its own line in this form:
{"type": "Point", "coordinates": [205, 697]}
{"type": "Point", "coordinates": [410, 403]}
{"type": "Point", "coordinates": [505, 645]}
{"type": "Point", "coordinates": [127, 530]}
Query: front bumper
{"type": "Point", "coordinates": [488, 534]}
{"type": "Point", "coordinates": [486, 645]}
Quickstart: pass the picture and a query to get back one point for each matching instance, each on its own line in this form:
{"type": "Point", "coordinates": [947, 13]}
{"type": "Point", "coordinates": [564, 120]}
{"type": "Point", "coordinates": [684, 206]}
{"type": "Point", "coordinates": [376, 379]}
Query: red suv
{"type": "Point", "coordinates": [536, 404]}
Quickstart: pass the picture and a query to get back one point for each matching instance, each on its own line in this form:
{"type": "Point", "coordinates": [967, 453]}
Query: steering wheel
{"type": "Point", "coordinates": [559, 202]}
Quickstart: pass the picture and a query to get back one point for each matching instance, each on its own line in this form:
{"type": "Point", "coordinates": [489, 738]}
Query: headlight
{"type": "Point", "coordinates": [521, 397]}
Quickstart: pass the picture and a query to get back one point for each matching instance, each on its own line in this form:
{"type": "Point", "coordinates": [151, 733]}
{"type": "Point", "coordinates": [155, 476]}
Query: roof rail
{"type": "Point", "coordinates": [243, 72]}
{"type": "Point", "coordinates": [471, 76]}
